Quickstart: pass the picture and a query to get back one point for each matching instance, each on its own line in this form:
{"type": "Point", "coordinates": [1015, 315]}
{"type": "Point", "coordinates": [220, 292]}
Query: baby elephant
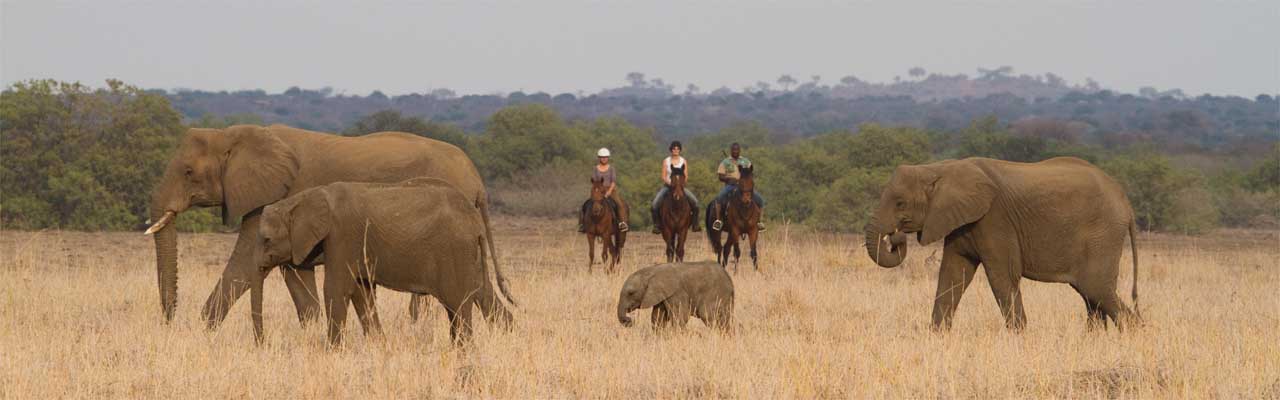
{"type": "Point", "coordinates": [677, 290]}
{"type": "Point", "coordinates": [420, 236]}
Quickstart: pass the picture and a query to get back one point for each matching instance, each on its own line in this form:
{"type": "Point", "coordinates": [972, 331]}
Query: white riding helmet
{"type": "Point", "coordinates": [604, 152]}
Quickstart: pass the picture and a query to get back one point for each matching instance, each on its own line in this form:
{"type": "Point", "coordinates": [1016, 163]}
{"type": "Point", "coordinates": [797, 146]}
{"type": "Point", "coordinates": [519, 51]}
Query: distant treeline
{"type": "Point", "coordinates": [83, 158]}
{"type": "Point", "coordinates": [794, 109]}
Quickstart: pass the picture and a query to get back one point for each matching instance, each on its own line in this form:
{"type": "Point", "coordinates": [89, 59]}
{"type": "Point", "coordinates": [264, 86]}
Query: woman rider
{"type": "Point", "coordinates": [673, 161]}
{"type": "Point", "coordinates": [604, 172]}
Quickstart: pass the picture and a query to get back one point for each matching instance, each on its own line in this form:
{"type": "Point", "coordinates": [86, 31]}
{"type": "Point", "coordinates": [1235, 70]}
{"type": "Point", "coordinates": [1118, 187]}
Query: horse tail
{"type": "Point", "coordinates": [712, 237]}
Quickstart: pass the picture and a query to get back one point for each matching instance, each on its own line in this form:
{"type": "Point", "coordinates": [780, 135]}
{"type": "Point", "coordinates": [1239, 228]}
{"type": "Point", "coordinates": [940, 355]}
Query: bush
{"type": "Point", "coordinates": [81, 158]}
{"type": "Point", "coordinates": [847, 205]}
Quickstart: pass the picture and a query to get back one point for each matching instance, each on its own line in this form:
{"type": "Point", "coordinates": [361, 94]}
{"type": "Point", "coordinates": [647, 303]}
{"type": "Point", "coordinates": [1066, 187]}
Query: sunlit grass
{"type": "Point", "coordinates": [79, 317]}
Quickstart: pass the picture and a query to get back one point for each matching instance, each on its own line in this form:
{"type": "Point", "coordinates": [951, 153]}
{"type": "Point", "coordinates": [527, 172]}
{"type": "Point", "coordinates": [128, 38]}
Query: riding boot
{"type": "Point", "coordinates": [696, 226]}
{"type": "Point", "coordinates": [718, 209]}
{"type": "Point", "coordinates": [657, 221]}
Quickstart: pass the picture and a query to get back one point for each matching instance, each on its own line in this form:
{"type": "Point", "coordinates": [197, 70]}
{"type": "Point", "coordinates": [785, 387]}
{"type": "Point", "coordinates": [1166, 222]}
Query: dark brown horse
{"type": "Point", "coordinates": [601, 224]}
{"type": "Point", "coordinates": [677, 216]}
{"type": "Point", "coordinates": [741, 218]}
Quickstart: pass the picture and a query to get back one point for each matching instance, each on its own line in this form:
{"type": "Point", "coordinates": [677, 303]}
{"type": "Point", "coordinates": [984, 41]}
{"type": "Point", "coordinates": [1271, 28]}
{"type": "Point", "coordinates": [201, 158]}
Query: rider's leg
{"type": "Point", "coordinates": [724, 194]}
{"type": "Point", "coordinates": [653, 209]}
{"type": "Point", "coordinates": [755, 196]}
{"type": "Point", "coordinates": [693, 205]}
{"type": "Point", "coordinates": [624, 214]}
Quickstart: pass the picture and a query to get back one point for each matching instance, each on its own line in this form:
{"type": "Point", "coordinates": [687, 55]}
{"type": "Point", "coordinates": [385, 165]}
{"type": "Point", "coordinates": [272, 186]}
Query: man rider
{"type": "Point", "coordinates": [728, 173]}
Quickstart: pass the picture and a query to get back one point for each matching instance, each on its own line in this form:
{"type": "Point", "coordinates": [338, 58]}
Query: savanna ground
{"type": "Point", "coordinates": [79, 317]}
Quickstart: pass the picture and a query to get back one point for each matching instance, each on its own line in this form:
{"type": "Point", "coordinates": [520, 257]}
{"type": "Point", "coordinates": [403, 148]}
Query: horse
{"type": "Point", "coordinates": [600, 224]}
{"type": "Point", "coordinates": [741, 218]}
{"type": "Point", "coordinates": [677, 217]}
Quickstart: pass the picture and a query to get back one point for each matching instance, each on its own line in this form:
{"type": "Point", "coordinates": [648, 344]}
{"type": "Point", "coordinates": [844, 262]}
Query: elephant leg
{"type": "Point", "coordinates": [302, 288]}
{"type": "Point", "coordinates": [954, 276]}
{"type": "Point", "coordinates": [1005, 287]}
{"type": "Point", "coordinates": [660, 316]}
{"type": "Point", "coordinates": [364, 300]}
{"type": "Point", "coordinates": [1119, 313]}
{"type": "Point", "coordinates": [417, 303]}
{"type": "Point", "coordinates": [236, 278]}
{"type": "Point", "coordinates": [1095, 318]}
{"type": "Point", "coordinates": [492, 308]}
{"type": "Point", "coordinates": [335, 301]}
{"type": "Point", "coordinates": [460, 322]}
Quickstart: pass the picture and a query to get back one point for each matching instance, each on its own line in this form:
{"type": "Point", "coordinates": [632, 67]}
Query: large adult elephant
{"type": "Point", "coordinates": [245, 167]}
{"type": "Point", "coordinates": [1059, 220]}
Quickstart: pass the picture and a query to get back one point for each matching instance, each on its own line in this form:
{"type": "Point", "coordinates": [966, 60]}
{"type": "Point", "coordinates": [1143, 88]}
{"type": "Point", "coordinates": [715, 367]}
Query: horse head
{"type": "Point", "coordinates": [597, 196]}
{"type": "Point", "coordinates": [677, 183]}
{"type": "Point", "coordinates": [746, 183]}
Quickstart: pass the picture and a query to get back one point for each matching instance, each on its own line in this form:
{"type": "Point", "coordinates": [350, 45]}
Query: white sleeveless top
{"type": "Point", "coordinates": [667, 165]}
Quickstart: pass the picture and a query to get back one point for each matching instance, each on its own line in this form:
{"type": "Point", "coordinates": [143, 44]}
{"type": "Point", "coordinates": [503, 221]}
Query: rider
{"type": "Point", "coordinates": [673, 161]}
{"type": "Point", "coordinates": [729, 174]}
{"type": "Point", "coordinates": [604, 172]}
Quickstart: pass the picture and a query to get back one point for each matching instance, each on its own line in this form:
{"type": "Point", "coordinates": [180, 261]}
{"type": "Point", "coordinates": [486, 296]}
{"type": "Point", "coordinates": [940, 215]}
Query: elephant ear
{"type": "Point", "coordinates": [309, 222]}
{"type": "Point", "coordinates": [662, 285]}
{"type": "Point", "coordinates": [259, 169]}
{"type": "Point", "coordinates": [960, 193]}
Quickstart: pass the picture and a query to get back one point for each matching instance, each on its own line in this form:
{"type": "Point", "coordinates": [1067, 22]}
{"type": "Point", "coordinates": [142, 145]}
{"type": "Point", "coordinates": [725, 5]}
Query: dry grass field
{"type": "Point", "coordinates": [79, 318]}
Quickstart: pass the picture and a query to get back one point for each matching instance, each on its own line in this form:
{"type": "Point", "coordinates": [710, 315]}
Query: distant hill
{"type": "Point", "coordinates": [789, 108]}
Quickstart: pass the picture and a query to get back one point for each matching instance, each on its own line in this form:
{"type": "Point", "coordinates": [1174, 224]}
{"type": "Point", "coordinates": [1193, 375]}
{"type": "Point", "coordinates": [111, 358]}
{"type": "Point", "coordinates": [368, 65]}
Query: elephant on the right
{"type": "Point", "coordinates": [1059, 220]}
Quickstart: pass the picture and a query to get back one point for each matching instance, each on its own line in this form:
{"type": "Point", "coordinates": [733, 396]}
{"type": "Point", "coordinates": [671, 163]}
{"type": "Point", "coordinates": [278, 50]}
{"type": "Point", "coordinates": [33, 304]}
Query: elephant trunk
{"type": "Point", "coordinates": [887, 248]}
{"type": "Point", "coordinates": [166, 204]}
{"type": "Point", "coordinates": [623, 310]}
{"type": "Point", "coordinates": [166, 263]}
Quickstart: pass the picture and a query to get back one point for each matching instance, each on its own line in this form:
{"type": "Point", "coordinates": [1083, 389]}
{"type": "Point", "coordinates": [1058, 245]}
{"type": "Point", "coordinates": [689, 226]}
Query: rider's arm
{"type": "Point", "coordinates": [666, 171]}
{"type": "Point", "coordinates": [613, 183]}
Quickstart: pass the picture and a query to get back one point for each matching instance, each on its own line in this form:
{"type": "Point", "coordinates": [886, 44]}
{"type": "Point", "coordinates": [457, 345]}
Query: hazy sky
{"type": "Point", "coordinates": [1218, 47]}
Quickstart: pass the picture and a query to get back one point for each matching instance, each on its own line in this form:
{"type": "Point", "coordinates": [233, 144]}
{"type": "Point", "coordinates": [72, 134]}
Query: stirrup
{"type": "Point", "coordinates": [760, 227]}
{"type": "Point", "coordinates": [622, 227]}
{"type": "Point", "coordinates": [717, 225]}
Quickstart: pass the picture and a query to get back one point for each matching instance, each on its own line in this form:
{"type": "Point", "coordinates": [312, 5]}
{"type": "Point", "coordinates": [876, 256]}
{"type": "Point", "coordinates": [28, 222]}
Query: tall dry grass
{"type": "Point", "coordinates": [79, 318]}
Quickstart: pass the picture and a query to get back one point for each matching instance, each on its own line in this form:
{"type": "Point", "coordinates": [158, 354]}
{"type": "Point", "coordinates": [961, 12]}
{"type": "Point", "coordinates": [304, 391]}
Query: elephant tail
{"type": "Point", "coordinates": [1133, 248]}
{"type": "Point", "coordinates": [493, 252]}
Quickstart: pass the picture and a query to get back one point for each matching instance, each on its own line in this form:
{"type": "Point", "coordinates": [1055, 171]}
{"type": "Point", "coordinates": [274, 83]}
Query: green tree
{"type": "Point", "coordinates": [526, 136]}
{"type": "Point", "coordinates": [392, 120]}
{"type": "Point", "coordinates": [81, 158]}
{"type": "Point", "coordinates": [1154, 187]}
{"type": "Point", "coordinates": [1266, 176]}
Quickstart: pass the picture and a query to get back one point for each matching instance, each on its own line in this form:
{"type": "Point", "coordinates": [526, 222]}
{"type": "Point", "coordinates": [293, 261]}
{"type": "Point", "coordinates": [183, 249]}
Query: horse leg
{"type": "Point", "coordinates": [591, 251]}
{"type": "Point", "coordinates": [680, 247]}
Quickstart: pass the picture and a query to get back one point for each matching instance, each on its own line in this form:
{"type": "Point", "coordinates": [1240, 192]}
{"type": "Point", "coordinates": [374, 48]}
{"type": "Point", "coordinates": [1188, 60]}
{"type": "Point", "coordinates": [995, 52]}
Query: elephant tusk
{"type": "Point", "coordinates": [168, 216]}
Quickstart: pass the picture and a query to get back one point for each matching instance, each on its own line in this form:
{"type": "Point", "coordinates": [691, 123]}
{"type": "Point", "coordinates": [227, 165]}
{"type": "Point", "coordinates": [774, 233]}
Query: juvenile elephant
{"type": "Point", "coordinates": [1058, 220]}
{"type": "Point", "coordinates": [677, 290]}
{"type": "Point", "coordinates": [421, 236]}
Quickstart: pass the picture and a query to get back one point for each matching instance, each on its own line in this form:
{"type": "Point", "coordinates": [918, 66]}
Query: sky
{"type": "Point", "coordinates": [557, 46]}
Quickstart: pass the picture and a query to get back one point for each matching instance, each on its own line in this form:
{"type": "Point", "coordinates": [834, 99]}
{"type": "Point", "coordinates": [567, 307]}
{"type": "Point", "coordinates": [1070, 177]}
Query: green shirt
{"type": "Point", "coordinates": [728, 169]}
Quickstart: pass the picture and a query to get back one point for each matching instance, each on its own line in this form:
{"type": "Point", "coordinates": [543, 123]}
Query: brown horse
{"type": "Point", "coordinates": [601, 224]}
{"type": "Point", "coordinates": [742, 217]}
{"type": "Point", "coordinates": [677, 216]}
